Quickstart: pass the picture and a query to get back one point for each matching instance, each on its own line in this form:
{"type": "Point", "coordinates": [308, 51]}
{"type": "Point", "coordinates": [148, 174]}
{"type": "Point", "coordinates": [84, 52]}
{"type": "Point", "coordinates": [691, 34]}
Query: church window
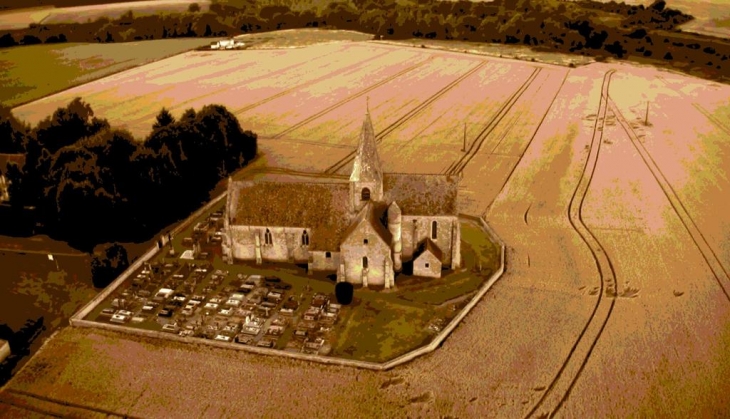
{"type": "Point", "coordinates": [427, 264]}
{"type": "Point", "coordinates": [365, 262]}
{"type": "Point", "coordinates": [328, 255]}
{"type": "Point", "coordinates": [434, 231]}
{"type": "Point", "coordinates": [305, 238]}
{"type": "Point", "coordinates": [365, 195]}
{"type": "Point", "coordinates": [365, 241]}
{"type": "Point", "coordinates": [267, 237]}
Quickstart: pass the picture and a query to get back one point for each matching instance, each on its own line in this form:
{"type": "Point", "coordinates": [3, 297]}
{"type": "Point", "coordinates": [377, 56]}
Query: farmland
{"type": "Point", "coordinates": [64, 65]}
{"type": "Point", "coordinates": [15, 19]}
{"type": "Point", "coordinates": [711, 16]}
{"type": "Point", "coordinates": [615, 301]}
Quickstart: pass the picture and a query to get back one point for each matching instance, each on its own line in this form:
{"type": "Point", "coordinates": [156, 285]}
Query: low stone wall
{"type": "Point", "coordinates": [139, 262]}
{"type": "Point", "coordinates": [78, 319]}
{"type": "Point", "coordinates": [439, 339]}
{"type": "Point", "coordinates": [4, 350]}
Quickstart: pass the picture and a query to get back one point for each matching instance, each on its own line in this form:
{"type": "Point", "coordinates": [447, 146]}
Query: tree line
{"type": "Point", "coordinates": [91, 183]}
{"type": "Point", "coordinates": [586, 27]}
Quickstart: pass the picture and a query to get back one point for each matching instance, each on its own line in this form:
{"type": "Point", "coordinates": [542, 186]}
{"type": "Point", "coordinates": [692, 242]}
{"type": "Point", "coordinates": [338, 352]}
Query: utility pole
{"type": "Point", "coordinates": [464, 148]}
{"type": "Point", "coordinates": [646, 118]}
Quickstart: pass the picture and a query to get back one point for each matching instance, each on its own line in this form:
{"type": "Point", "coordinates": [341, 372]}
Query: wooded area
{"type": "Point", "coordinates": [584, 27]}
{"type": "Point", "coordinates": [91, 183]}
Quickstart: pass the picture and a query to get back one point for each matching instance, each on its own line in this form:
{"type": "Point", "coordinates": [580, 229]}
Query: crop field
{"type": "Point", "coordinates": [712, 17]}
{"type": "Point", "coordinates": [22, 18]}
{"type": "Point", "coordinates": [19, 19]}
{"type": "Point", "coordinates": [61, 66]}
{"type": "Point", "coordinates": [81, 14]}
{"type": "Point", "coordinates": [616, 298]}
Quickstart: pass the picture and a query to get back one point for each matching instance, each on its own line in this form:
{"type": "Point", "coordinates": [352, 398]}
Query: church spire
{"type": "Point", "coordinates": [367, 163]}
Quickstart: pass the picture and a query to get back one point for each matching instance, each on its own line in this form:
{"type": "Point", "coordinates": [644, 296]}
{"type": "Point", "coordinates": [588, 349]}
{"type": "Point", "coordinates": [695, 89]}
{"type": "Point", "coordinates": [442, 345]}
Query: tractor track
{"type": "Point", "coordinates": [410, 114]}
{"type": "Point", "coordinates": [698, 238]}
{"type": "Point", "coordinates": [353, 97]}
{"type": "Point", "coordinates": [559, 388]}
{"type": "Point", "coordinates": [534, 134]}
{"type": "Point", "coordinates": [459, 165]}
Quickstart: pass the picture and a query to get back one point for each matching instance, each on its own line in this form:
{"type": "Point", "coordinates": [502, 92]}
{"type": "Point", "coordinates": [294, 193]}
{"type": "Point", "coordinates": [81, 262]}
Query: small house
{"type": "Point", "coordinates": [427, 260]}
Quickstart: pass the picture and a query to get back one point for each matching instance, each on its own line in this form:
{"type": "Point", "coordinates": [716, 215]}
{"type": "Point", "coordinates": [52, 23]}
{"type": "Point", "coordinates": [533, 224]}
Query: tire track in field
{"type": "Point", "coordinates": [712, 118]}
{"type": "Point", "coordinates": [698, 238]}
{"type": "Point", "coordinates": [308, 83]}
{"type": "Point", "coordinates": [559, 388]}
{"type": "Point", "coordinates": [459, 165]}
{"type": "Point", "coordinates": [534, 134]}
{"type": "Point", "coordinates": [216, 91]}
{"type": "Point", "coordinates": [410, 114]}
{"type": "Point", "coordinates": [353, 97]}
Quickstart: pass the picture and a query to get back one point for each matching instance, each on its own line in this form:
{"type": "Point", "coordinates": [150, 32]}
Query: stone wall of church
{"type": "Point", "coordinates": [286, 244]}
{"type": "Point", "coordinates": [320, 262]}
{"type": "Point", "coordinates": [422, 228]}
{"type": "Point", "coordinates": [427, 265]}
{"type": "Point", "coordinates": [354, 249]}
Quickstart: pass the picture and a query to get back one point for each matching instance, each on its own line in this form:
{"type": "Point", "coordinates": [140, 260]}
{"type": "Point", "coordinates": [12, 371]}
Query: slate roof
{"type": "Point", "coordinates": [429, 245]}
{"type": "Point", "coordinates": [373, 214]}
{"type": "Point", "coordinates": [323, 207]}
{"type": "Point", "coordinates": [418, 194]}
{"type": "Point", "coordinates": [367, 163]}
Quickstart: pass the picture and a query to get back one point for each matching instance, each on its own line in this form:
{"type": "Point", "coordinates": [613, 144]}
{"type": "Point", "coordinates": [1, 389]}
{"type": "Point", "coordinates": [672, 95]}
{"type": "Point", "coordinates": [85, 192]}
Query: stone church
{"type": "Point", "coordinates": [364, 229]}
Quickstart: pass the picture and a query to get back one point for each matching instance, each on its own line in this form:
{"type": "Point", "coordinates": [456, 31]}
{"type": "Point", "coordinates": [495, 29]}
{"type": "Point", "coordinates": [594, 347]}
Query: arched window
{"type": "Point", "coordinates": [328, 255]}
{"type": "Point", "coordinates": [364, 261]}
{"type": "Point", "coordinates": [365, 195]}
{"type": "Point", "coordinates": [434, 231]}
{"type": "Point", "coordinates": [267, 237]}
{"type": "Point", "coordinates": [305, 238]}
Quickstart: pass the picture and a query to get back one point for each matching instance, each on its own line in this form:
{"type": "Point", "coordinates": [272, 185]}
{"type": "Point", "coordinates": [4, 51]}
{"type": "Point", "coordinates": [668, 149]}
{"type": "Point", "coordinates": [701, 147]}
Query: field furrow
{"type": "Point", "coordinates": [667, 305]}
{"type": "Point", "coordinates": [388, 101]}
{"type": "Point", "coordinates": [440, 127]}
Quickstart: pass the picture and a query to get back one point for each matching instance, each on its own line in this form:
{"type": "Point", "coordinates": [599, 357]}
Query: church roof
{"type": "Point", "coordinates": [372, 213]}
{"type": "Point", "coordinates": [418, 194]}
{"type": "Point", "coordinates": [429, 245]}
{"type": "Point", "coordinates": [322, 207]}
{"type": "Point", "coordinates": [367, 163]}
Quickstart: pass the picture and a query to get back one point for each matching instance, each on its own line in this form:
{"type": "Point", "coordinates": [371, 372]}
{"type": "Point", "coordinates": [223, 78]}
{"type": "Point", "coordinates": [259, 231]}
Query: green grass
{"type": "Point", "coordinates": [379, 325]}
{"type": "Point", "coordinates": [31, 72]}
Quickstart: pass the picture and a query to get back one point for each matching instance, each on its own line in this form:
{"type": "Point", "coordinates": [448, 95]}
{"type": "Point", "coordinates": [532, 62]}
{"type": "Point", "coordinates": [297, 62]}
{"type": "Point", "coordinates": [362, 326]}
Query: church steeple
{"type": "Point", "coordinates": [367, 163]}
{"type": "Point", "coordinates": [366, 179]}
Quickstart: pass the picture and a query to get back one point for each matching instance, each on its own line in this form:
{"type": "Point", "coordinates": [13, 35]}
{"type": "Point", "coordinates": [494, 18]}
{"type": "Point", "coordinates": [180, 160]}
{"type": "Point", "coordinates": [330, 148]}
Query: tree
{"type": "Point", "coordinates": [13, 133]}
{"type": "Point", "coordinates": [30, 40]}
{"type": "Point", "coordinates": [344, 292]}
{"type": "Point", "coordinates": [14, 175]}
{"type": "Point", "coordinates": [164, 118]}
{"type": "Point", "coordinates": [194, 8]}
{"type": "Point", "coordinates": [108, 263]}
{"type": "Point", "coordinates": [7, 40]}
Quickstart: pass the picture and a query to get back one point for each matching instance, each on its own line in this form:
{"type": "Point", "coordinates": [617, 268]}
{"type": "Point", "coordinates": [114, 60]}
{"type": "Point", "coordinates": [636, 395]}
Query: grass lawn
{"type": "Point", "coordinates": [31, 72]}
{"type": "Point", "coordinates": [32, 287]}
{"type": "Point", "coordinates": [378, 326]}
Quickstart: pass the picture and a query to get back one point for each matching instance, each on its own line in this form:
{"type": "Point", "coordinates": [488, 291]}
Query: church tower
{"type": "Point", "coordinates": [366, 180]}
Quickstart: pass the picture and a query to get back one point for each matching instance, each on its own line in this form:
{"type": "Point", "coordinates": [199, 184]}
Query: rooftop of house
{"type": "Point", "coordinates": [428, 245]}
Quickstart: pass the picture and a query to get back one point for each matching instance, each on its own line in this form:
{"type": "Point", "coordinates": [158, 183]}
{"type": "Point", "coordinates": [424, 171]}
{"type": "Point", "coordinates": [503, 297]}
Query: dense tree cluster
{"type": "Point", "coordinates": [108, 263]}
{"type": "Point", "coordinates": [586, 27]}
{"type": "Point", "coordinates": [93, 184]}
